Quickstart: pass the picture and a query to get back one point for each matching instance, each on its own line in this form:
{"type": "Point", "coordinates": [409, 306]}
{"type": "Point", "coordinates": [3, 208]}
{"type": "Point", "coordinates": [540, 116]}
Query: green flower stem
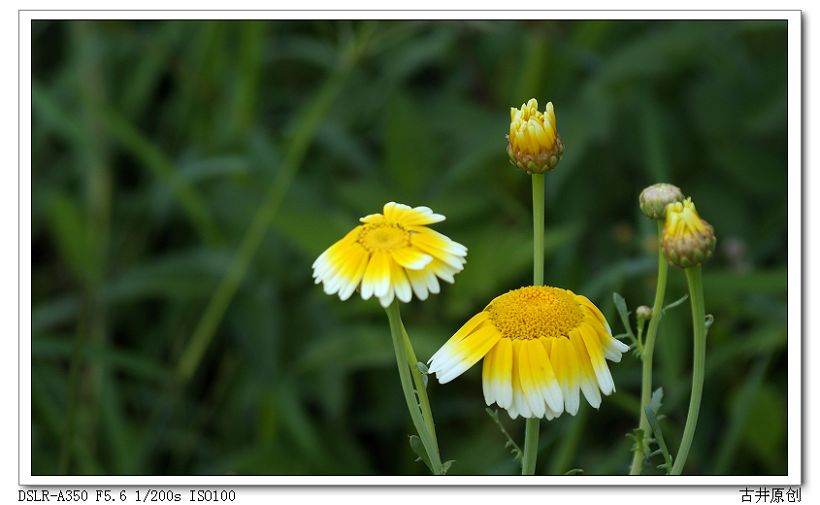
{"type": "Point", "coordinates": [421, 389]}
{"type": "Point", "coordinates": [530, 446]}
{"type": "Point", "coordinates": [531, 430]}
{"type": "Point", "coordinates": [693, 278]}
{"type": "Point", "coordinates": [538, 229]}
{"type": "Point", "coordinates": [646, 356]}
{"type": "Point", "coordinates": [427, 440]}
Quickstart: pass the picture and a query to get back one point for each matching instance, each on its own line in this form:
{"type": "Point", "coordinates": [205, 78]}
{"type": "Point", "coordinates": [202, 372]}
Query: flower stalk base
{"type": "Point", "coordinates": [693, 278]}
{"type": "Point", "coordinates": [646, 357]}
{"type": "Point", "coordinates": [408, 373]}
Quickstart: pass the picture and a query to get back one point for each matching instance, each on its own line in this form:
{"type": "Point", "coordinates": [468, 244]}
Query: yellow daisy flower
{"type": "Point", "coordinates": [393, 254]}
{"type": "Point", "coordinates": [540, 345]}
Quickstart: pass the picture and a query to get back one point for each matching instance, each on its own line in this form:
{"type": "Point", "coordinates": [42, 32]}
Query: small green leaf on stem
{"type": "Point", "coordinates": [708, 320]}
{"type": "Point", "coordinates": [656, 401]}
{"type": "Point", "coordinates": [418, 448]}
{"type": "Point", "coordinates": [623, 312]}
{"type": "Point", "coordinates": [674, 304]}
{"type": "Point", "coordinates": [574, 471]}
{"type": "Point", "coordinates": [652, 416]}
{"type": "Point", "coordinates": [424, 372]}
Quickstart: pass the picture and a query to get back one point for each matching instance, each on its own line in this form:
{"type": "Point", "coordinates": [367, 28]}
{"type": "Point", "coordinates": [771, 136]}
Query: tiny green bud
{"type": "Point", "coordinates": [643, 312]}
{"type": "Point", "coordinates": [655, 198]}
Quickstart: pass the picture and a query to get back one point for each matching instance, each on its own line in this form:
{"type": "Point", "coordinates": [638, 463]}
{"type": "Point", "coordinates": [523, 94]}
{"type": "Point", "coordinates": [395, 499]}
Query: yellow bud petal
{"type": "Point", "coordinates": [550, 113]}
{"type": "Point", "coordinates": [541, 135]}
{"type": "Point", "coordinates": [532, 133]}
{"type": "Point", "coordinates": [550, 133]}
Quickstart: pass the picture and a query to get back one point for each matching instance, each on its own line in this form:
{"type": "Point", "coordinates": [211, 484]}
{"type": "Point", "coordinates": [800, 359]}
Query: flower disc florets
{"type": "Point", "coordinates": [535, 312]}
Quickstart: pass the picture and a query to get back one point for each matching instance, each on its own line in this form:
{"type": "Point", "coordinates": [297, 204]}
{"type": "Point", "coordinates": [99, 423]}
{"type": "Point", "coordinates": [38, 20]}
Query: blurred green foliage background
{"type": "Point", "coordinates": [186, 174]}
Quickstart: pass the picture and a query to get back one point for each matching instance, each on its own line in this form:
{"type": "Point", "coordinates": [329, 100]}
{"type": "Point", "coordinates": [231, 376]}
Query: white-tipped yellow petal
{"type": "Point", "coordinates": [527, 376]}
{"type": "Point", "coordinates": [596, 355]}
{"type": "Point", "coordinates": [386, 299]}
{"type": "Point", "coordinates": [519, 401]}
{"type": "Point", "coordinates": [466, 353]}
{"type": "Point", "coordinates": [487, 377]}
{"type": "Point", "coordinates": [502, 373]}
{"type": "Point", "coordinates": [470, 326]}
{"type": "Point", "coordinates": [545, 376]}
{"type": "Point", "coordinates": [586, 375]}
{"type": "Point", "coordinates": [400, 283]}
{"type": "Point", "coordinates": [377, 274]}
{"type": "Point", "coordinates": [418, 281]}
{"type": "Point", "coordinates": [563, 360]}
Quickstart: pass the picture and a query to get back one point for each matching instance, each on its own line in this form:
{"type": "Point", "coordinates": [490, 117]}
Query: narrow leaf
{"type": "Point", "coordinates": [674, 304]}
{"type": "Point", "coordinates": [623, 312]}
{"type": "Point", "coordinates": [656, 429]}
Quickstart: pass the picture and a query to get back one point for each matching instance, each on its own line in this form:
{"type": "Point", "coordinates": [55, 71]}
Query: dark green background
{"type": "Point", "coordinates": [161, 149]}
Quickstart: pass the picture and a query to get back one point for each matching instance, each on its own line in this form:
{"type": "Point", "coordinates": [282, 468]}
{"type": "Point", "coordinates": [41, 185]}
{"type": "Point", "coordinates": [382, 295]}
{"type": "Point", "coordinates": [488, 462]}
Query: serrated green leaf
{"type": "Point", "coordinates": [656, 400]}
{"type": "Point", "coordinates": [656, 430]}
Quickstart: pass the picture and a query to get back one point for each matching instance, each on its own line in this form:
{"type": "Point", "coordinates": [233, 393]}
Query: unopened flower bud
{"type": "Point", "coordinates": [656, 197]}
{"type": "Point", "coordinates": [643, 312]}
{"type": "Point", "coordinates": [534, 144]}
{"type": "Point", "coordinates": [687, 239]}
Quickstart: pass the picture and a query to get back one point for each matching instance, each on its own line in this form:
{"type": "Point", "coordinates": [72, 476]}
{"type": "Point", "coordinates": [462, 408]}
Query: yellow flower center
{"type": "Point", "coordinates": [535, 312]}
{"type": "Point", "coordinates": [682, 219]}
{"type": "Point", "coordinates": [383, 237]}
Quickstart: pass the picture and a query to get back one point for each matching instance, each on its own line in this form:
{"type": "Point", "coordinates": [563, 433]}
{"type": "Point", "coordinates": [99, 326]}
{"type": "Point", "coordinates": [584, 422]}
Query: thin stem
{"type": "Point", "coordinates": [646, 355]}
{"type": "Point", "coordinates": [639, 338]}
{"type": "Point", "coordinates": [531, 430]}
{"type": "Point", "coordinates": [421, 389]}
{"type": "Point", "coordinates": [394, 316]}
{"type": "Point", "coordinates": [530, 446]}
{"type": "Point", "coordinates": [538, 229]}
{"type": "Point", "coordinates": [693, 278]}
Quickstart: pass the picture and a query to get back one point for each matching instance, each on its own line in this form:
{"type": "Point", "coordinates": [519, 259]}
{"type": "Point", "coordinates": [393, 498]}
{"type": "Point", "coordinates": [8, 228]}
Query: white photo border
{"type": "Point", "coordinates": [794, 269]}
